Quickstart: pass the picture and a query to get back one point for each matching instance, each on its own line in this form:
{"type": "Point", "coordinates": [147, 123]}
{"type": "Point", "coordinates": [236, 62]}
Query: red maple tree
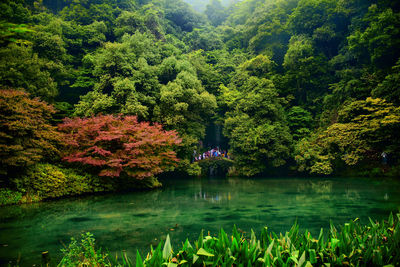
{"type": "Point", "coordinates": [117, 144]}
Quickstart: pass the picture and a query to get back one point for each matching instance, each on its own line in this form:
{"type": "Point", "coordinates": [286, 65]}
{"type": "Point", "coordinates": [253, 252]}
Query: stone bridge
{"type": "Point", "coordinates": [215, 166]}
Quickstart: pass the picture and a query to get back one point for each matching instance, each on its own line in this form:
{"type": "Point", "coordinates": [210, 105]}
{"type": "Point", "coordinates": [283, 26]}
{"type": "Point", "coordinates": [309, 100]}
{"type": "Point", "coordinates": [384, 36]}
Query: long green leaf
{"type": "Point", "coordinates": [139, 262]}
{"type": "Point", "coordinates": [167, 251]}
{"type": "Point", "coordinates": [302, 259]}
{"type": "Point", "coordinates": [203, 252]}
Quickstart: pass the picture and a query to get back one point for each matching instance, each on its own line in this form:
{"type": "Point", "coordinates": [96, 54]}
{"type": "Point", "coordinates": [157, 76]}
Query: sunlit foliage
{"type": "Point", "coordinates": [364, 130]}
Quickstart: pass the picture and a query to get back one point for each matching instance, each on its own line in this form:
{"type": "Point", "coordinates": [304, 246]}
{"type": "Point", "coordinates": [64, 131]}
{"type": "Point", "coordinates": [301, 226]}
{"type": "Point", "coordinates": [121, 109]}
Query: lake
{"type": "Point", "coordinates": [131, 221]}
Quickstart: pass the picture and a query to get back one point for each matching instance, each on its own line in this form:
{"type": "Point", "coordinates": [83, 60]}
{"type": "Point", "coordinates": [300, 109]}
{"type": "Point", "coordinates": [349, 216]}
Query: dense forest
{"type": "Point", "coordinates": [99, 94]}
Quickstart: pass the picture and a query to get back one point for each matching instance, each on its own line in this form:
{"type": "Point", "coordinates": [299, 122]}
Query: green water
{"type": "Point", "coordinates": [182, 208]}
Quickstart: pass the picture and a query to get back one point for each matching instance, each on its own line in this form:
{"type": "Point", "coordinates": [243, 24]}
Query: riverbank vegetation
{"type": "Point", "coordinates": [306, 86]}
{"type": "Point", "coordinates": [353, 244]}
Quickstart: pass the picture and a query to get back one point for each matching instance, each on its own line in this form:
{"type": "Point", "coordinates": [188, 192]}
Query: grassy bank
{"type": "Point", "coordinates": [353, 244]}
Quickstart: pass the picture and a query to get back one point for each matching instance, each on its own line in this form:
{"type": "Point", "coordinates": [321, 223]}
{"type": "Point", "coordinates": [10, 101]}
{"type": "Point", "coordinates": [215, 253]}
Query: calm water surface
{"type": "Point", "coordinates": [182, 208]}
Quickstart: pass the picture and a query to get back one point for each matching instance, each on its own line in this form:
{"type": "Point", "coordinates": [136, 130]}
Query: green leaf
{"type": "Point", "coordinates": [372, 222]}
{"type": "Point", "coordinates": [253, 239]}
{"type": "Point", "coordinates": [235, 233]}
{"type": "Point", "coordinates": [200, 240]}
{"type": "Point", "coordinates": [167, 249]}
{"type": "Point", "coordinates": [195, 257]}
{"type": "Point", "coordinates": [295, 253]}
{"type": "Point", "coordinates": [294, 259]}
{"type": "Point", "coordinates": [269, 249]}
{"type": "Point", "coordinates": [390, 221]}
{"type": "Point", "coordinates": [334, 242]}
{"type": "Point", "coordinates": [186, 245]}
{"type": "Point", "coordinates": [313, 256]}
{"type": "Point", "coordinates": [139, 262]}
{"type": "Point", "coordinates": [235, 246]}
{"type": "Point", "coordinates": [203, 252]}
{"type": "Point", "coordinates": [302, 259]}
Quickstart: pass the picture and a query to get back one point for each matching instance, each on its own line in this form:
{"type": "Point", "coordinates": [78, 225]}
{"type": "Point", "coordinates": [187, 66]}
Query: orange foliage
{"type": "Point", "coordinates": [26, 135]}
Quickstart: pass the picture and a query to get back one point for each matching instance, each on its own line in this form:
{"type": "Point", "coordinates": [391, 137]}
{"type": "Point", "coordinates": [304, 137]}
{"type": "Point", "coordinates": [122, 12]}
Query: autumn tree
{"type": "Point", "coordinates": [26, 136]}
{"type": "Point", "coordinates": [117, 146]}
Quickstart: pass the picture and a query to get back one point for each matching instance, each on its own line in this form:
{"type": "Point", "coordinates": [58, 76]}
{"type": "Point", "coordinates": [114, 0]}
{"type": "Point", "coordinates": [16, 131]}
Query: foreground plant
{"type": "Point", "coordinates": [377, 244]}
{"type": "Point", "coordinates": [83, 253]}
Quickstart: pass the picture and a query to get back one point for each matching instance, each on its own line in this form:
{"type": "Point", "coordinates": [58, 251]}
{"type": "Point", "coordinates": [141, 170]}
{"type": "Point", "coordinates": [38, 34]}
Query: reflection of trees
{"type": "Point", "coordinates": [241, 183]}
{"type": "Point", "coordinates": [322, 187]}
{"type": "Point", "coordinates": [320, 190]}
{"type": "Point", "coordinates": [213, 197]}
{"type": "Point", "coordinates": [205, 190]}
{"type": "Point", "coordinates": [319, 187]}
{"type": "Point", "coordinates": [218, 194]}
{"type": "Point", "coordinates": [352, 194]}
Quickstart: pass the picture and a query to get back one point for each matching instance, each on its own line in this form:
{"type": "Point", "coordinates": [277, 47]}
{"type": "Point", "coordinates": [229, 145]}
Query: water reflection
{"type": "Point", "coordinates": [213, 198]}
{"type": "Point", "coordinates": [182, 208]}
{"type": "Point", "coordinates": [352, 195]}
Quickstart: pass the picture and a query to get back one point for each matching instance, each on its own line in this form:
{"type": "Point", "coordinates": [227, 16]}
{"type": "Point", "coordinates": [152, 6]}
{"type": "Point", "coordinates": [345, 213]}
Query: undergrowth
{"type": "Point", "coordinates": [374, 244]}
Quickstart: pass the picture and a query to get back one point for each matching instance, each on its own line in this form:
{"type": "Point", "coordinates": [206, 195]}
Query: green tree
{"type": "Point", "coordinates": [306, 72]}
{"type": "Point", "coordinates": [15, 12]}
{"type": "Point", "coordinates": [20, 67]}
{"type": "Point", "coordinates": [215, 12]}
{"type": "Point", "coordinates": [204, 39]}
{"type": "Point", "coordinates": [129, 22]}
{"type": "Point", "coordinates": [389, 88]}
{"type": "Point", "coordinates": [185, 106]}
{"type": "Point", "coordinates": [123, 77]}
{"type": "Point", "coordinates": [94, 103]}
{"type": "Point", "coordinates": [207, 73]}
{"type": "Point", "coordinates": [300, 122]}
{"type": "Point", "coordinates": [310, 15]}
{"type": "Point", "coordinates": [266, 29]}
{"type": "Point", "coordinates": [256, 126]}
{"type": "Point", "coordinates": [13, 33]}
{"type": "Point", "coordinates": [378, 42]}
{"type": "Point", "coordinates": [365, 128]}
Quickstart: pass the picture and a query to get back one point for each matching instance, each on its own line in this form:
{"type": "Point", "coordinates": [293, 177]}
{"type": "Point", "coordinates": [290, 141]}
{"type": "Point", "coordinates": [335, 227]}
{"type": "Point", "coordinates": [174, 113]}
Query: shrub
{"type": "Point", "coordinates": [50, 181]}
{"type": "Point", "coordinates": [8, 196]}
{"type": "Point", "coordinates": [83, 253]}
{"type": "Point", "coordinates": [46, 180]}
